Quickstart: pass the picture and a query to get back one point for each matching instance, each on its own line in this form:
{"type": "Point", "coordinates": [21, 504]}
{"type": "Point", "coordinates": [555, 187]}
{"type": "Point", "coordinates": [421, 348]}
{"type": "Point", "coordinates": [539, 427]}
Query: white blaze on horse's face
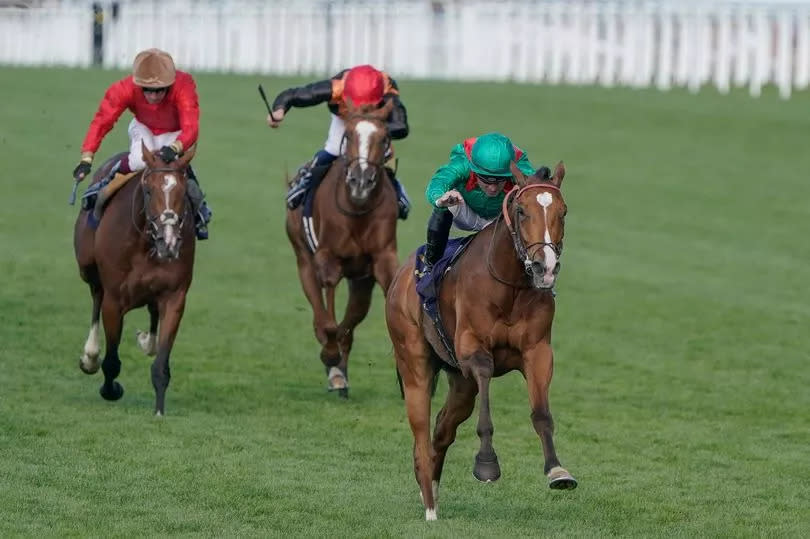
{"type": "Point", "coordinates": [365, 130]}
{"type": "Point", "coordinates": [545, 199]}
{"type": "Point", "coordinates": [168, 218]}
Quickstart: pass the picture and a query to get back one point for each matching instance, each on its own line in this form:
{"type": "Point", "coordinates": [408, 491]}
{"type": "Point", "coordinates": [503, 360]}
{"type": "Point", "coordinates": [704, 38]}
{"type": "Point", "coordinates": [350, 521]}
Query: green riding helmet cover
{"type": "Point", "coordinates": [491, 155]}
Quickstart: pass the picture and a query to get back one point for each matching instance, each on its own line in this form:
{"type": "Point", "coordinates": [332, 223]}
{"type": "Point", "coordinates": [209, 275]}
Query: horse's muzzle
{"type": "Point", "coordinates": [543, 277]}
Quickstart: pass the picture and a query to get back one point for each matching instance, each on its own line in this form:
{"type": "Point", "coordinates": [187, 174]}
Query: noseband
{"type": "Point", "coordinates": [514, 231]}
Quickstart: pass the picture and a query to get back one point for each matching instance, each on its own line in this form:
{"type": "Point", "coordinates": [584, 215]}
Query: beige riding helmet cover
{"type": "Point", "coordinates": [153, 68]}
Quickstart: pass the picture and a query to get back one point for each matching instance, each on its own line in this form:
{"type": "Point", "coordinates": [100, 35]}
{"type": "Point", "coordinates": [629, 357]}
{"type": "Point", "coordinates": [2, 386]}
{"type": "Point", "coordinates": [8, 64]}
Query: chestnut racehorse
{"type": "Point", "coordinates": [497, 306]}
{"type": "Point", "coordinates": [141, 254]}
{"type": "Point", "coordinates": [352, 234]}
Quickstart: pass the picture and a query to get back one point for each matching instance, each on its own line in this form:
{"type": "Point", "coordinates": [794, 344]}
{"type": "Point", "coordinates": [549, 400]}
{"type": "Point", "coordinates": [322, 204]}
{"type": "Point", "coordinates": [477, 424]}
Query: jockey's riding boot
{"type": "Point", "coordinates": [403, 202]}
{"type": "Point", "coordinates": [202, 213]}
{"type": "Point", "coordinates": [437, 234]}
{"type": "Point", "coordinates": [303, 179]}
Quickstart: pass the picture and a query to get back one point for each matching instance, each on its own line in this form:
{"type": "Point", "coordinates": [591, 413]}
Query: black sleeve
{"type": "Point", "coordinates": [304, 96]}
{"type": "Point", "coordinates": [398, 119]}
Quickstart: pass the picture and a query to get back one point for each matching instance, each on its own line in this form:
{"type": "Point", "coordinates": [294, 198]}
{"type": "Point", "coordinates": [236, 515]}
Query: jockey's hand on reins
{"type": "Point", "coordinates": [167, 154]}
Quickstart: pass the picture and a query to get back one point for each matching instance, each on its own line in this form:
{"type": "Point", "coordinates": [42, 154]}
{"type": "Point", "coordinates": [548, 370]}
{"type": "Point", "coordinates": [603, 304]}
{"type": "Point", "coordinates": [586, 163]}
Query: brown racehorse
{"type": "Point", "coordinates": [142, 253]}
{"type": "Point", "coordinates": [497, 307]}
{"type": "Point", "coordinates": [354, 220]}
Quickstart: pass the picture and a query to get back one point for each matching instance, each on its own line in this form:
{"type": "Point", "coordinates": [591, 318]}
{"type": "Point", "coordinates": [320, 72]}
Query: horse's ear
{"type": "Point", "coordinates": [385, 111]}
{"type": "Point", "coordinates": [187, 156]}
{"type": "Point", "coordinates": [148, 156]}
{"type": "Point", "coordinates": [520, 178]}
{"type": "Point", "coordinates": [559, 174]}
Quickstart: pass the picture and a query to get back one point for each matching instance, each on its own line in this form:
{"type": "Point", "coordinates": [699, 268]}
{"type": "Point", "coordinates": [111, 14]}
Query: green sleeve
{"type": "Point", "coordinates": [452, 175]}
{"type": "Point", "coordinates": [524, 165]}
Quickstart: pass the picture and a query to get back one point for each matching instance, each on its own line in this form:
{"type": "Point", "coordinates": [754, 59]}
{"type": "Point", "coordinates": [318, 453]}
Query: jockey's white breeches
{"type": "Point", "coordinates": [335, 136]}
{"type": "Point", "coordinates": [138, 133]}
{"type": "Point", "coordinates": [466, 219]}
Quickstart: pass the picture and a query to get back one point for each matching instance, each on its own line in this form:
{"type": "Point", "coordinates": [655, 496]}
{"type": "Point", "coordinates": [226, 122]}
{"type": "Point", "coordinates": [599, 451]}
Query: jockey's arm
{"type": "Point", "coordinates": [115, 101]}
{"type": "Point", "coordinates": [188, 111]}
{"type": "Point", "coordinates": [452, 175]}
{"type": "Point", "coordinates": [304, 96]}
{"type": "Point", "coordinates": [398, 119]}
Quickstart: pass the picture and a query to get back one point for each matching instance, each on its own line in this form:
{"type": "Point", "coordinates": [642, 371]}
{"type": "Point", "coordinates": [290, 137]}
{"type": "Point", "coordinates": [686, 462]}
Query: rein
{"type": "Point", "coordinates": [521, 250]}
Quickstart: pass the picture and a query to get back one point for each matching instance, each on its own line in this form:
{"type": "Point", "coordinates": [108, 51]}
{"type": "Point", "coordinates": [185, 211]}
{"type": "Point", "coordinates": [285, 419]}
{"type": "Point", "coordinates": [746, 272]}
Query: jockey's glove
{"type": "Point", "coordinates": [169, 153]}
{"type": "Point", "coordinates": [81, 170]}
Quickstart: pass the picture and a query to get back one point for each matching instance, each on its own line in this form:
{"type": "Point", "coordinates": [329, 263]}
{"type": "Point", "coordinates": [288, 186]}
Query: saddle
{"type": "Point", "coordinates": [97, 195]}
{"type": "Point", "coordinates": [434, 330]}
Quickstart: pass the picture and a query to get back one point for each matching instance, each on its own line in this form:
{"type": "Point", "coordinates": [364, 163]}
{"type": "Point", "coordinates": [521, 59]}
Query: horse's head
{"type": "Point", "coordinates": [365, 144]}
{"type": "Point", "coordinates": [164, 201]}
{"type": "Point", "coordinates": [535, 212]}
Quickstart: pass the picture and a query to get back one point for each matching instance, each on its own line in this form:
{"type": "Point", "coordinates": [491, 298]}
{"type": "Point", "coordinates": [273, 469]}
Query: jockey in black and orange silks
{"type": "Point", "coordinates": [360, 85]}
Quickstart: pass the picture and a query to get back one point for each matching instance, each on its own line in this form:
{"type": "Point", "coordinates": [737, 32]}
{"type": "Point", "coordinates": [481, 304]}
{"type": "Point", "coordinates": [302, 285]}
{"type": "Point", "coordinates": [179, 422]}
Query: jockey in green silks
{"type": "Point", "coordinates": [469, 189]}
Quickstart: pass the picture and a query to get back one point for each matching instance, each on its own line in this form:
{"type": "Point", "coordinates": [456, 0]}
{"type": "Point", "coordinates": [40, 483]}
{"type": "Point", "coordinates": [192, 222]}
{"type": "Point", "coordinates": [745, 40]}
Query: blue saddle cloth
{"type": "Point", "coordinates": [427, 294]}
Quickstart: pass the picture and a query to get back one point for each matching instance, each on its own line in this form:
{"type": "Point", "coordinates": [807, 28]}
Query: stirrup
{"type": "Point", "coordinates": [404, 207]}
{"type": "Point", "coordinates": [297, 191]}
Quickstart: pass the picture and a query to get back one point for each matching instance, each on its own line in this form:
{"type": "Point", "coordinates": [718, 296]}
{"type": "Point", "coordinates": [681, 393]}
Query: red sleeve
{"type": "Point", "coordinates": [115, 101]}
{"type": "Point", "coordinates": [188, 110]}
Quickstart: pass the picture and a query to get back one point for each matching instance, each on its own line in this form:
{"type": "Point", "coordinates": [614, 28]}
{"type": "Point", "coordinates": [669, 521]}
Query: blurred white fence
{"type": "Point", "coordinates": [639, 43]}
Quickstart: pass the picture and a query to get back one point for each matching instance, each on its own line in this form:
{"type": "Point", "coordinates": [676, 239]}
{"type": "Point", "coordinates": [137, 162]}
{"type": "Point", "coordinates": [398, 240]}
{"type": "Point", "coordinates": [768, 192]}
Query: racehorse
{"type": "Point", "coordinates": [496, 305]}
{"type": "Point", "coordinates": [141, 254]}
{"type": "Point", "coordinates": [350, 233]}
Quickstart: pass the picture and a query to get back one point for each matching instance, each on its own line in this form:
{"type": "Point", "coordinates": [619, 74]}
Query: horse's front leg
{"type": "Point", "coordinates": [538, 366]}
{"type": "Point", "coordinates": [477, 362]}
{"type": "Point", "coordinates": [113, 317]}
{"type": "Point", "coordinates": [171, 310]}
{"type": "Point", "coordinates": [329, 272]}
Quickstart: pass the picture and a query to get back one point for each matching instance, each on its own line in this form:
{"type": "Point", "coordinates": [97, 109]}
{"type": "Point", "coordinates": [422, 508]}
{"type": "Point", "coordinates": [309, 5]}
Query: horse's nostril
{"type": "Point", "coordinates": [557, 268]}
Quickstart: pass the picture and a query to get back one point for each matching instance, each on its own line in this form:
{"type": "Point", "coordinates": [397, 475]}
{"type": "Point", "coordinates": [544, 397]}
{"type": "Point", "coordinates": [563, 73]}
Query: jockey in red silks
{"type": "Point", "coordinates": [360, 85]}
{"type": "Point", "coordinates": [167, 119]}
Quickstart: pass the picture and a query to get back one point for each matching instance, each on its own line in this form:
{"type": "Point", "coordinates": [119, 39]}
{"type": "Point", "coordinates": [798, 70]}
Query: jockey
{"type": "Point", "coordinates": [469, 190]}
{"type": "Point", "coordinates": [362, 85]}
{"type": "Point", "coordinates": [164, 103]}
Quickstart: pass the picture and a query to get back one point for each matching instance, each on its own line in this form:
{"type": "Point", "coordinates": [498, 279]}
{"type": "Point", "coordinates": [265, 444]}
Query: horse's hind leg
{"type": "Point", "coordinates": [360, 291]}
{"type": "Point", "coordinates": [147, 341]}
{"type": "Point", "coordinates": [171, 312]}
{"type": "Point", "coordinates": [481, 365]}
{"type": "Point", "coordinates": [537, 368]}
{"type": "Point", "coordinates": [113, 318]}
{"type": "Point", "coordinates": [88, 363]}
{"type": "Point", "coordinates": [458, 407]}
{"type": "Point", "coordinates": [416, 373]}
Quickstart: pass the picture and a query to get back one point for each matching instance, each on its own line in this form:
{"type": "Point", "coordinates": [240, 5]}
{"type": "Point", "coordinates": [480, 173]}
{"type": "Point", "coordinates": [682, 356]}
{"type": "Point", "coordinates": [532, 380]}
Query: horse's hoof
{"type": "Point", "coordinates": [560, 479]}
{"type": "Point", "coordinates": [337, 381]}
{"type": "Point", "coordinates": [486, 469]}
{"type": "Point", "coordinates": [115, 392]}
{"type": "Point", "coordinates": [85, 370]}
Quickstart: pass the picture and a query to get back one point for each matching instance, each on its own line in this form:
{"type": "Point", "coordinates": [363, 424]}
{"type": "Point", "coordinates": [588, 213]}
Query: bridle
{"type": "Point", "coordinates": [378, 166]}
{"type": "Point", "coordinates": [521, 250]}
{"type": "Point", "coordinates": [155, 224]}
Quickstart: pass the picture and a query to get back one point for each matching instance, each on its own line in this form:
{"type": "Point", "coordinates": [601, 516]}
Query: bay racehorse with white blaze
{"type": "Point", "coordinates": [141, 254]}
{"type": "Point", "coordinates": [497, 307]}
{"type": "Point", "coordinates": [350, 233]}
